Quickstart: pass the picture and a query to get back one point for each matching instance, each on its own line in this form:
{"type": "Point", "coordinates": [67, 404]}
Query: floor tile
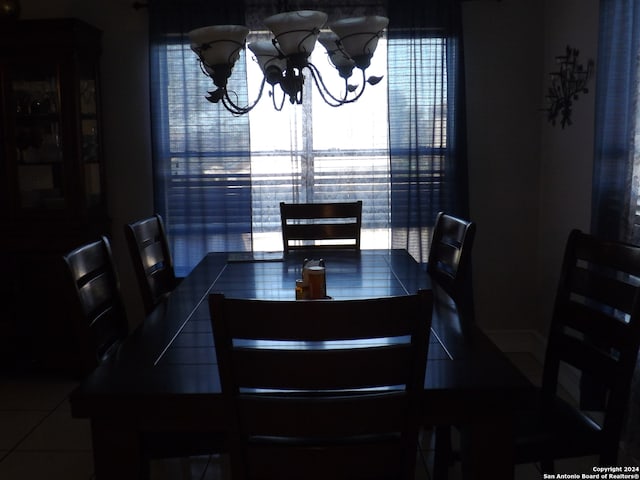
{"type": "Point", "coordinates": [16, 425]}
{"type": "Point", "coordinates": [59, 431]}
{"type": "Point", "coordinates": [61, 465]}
{"type": "Point", "coordinates": [33, 393]}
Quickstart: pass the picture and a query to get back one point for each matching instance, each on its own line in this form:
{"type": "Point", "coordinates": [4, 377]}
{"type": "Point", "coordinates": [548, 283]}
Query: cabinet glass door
{"type": "Point", "coordinates": [90, 153]}
{"type": "Point", "coordinates": [38, 137]}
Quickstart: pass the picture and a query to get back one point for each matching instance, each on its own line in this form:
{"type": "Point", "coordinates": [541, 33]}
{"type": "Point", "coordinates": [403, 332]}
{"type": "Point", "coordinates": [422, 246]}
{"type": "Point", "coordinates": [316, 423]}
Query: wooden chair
{"type": "Point", "coordinates": [152, 261]}
{"type": "Point", "coordinates": [449, 266]}
{"type": "Point", "coordinates": [101, 325]}
{"type": "Point", "coordinates": [449, 263]}
{"type": "Point", "coordinates": [595, 328]}
{"type": "Point", "coordinates": [321, 225]}
{"type": "Point", "coordinates": [307, 401]}
{"type": "Point", "coordinates": [100, 321]}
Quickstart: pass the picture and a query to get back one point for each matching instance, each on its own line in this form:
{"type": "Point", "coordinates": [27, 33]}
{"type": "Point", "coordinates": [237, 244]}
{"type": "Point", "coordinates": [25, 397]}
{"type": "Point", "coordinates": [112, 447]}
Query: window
{"type": "Point", "coordinates": [318, 153]}
{"type": "Point", "coordinates": [223, 176]}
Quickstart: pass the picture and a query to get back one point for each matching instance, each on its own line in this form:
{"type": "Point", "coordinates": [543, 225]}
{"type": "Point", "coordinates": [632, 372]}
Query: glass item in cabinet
{"type": "Point", "coordinates": [37, 137]}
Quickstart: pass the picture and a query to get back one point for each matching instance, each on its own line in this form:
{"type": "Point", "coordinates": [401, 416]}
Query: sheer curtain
{"type": "Point", "coordinates": [427, 120]}
{"type": "Point", "coordinates": [616, 164]}
{"type": "Point", "coordinates": [201, 155]}
{"type": "Point", "coordinates": [400, 148]}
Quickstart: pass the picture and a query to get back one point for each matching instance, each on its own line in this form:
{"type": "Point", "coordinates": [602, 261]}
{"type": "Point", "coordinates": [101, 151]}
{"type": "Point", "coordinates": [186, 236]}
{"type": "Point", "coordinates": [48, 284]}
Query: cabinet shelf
{"type": "Point", "coordinates": [52, 188]}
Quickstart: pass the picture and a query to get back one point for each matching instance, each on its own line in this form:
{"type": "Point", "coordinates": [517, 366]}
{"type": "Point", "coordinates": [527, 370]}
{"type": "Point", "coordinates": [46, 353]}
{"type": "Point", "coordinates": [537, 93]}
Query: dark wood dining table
{"type": "Point", "coordinates": [164, 376]}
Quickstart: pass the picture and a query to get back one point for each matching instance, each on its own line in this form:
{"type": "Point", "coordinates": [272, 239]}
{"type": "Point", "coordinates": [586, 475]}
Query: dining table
{"type": "Point", "coordinates": [164, 376]}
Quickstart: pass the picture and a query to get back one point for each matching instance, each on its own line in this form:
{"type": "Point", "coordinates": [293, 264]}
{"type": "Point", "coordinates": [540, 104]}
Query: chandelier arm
{"type": "Point", "coordinates": [238, 110]}
{"type": "Point", "coordinates": [322, 88]}
{"type": "Point", "coordinates": [273, 99]}
{"type": "Point", "coordinates": [232, 107]}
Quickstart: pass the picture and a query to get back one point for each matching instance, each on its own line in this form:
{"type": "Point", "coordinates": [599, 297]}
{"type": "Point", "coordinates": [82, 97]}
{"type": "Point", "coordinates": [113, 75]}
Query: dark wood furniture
{"type": "Point", "coordinates": [321, 225]}
{"type": "Point", "coordinates": [152, 261]}
{"type": "Point", "coordinates": [449, 263]}
{"type": "Point", "coordinates": [52, 189]}
{"type": "Point", "coordinates": [449, 267]}
{"type": "Point", "coordinates": [165, 375]}
{"type": "Point", "coordinates": [101, 325]}
{"type": "Point", "coordinates": [595, 329]}
{"type": "Point", "coordinates": [96, 305]}
{"type": "Point", "coordinates": [343, 406]}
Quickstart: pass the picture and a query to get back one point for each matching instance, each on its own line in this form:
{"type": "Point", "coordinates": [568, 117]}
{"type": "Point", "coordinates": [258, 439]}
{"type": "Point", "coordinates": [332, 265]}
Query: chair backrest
{"type": "Point", "coordinates": [152, 261]}
{"type": "Point", "coordinates": [322, 389]}
{"type": "Point", "coordinates": [100, 320]}
{"type": "Point", "coordinates": [321, 225]}
{"type": "Point", "coordinates": [595, 326]}
{"type": "Point", "coordinates": [450, 260]}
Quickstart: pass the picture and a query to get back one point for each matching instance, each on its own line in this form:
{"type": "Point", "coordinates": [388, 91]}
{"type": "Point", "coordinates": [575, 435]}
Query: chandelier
{"type": "Point", "coordinates": [350, 43]}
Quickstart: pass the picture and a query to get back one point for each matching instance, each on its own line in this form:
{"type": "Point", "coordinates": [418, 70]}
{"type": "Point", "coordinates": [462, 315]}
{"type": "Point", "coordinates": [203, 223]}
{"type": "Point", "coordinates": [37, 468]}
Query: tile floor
{"type": "Point", "coordinates": [40, 440]}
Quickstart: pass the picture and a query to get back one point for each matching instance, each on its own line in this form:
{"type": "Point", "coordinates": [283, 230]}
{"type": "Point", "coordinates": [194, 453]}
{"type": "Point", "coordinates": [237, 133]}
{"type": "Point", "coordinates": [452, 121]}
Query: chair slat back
{"type": "Point", "coordinates": [321, 225]}
{"type": "Point", "coordinates": [322, 389]}
{"type": "Point", "coordinates": [152, 261]}
{"type": "Point", "coordinates": [450, 260]}
{"type": "Point", "coordinates": [596, 323]}
{"type": "Point", "coordinates": [100, 318]}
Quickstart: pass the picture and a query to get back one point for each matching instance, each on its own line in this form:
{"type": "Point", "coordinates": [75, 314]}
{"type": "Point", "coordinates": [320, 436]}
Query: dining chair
{"type": "Point", "coordinates": [449, 266]}
{"type": "Point", "coordinates": [322, 389]}
{"type": "Point", "coordinates": [152, 260]}
{"type": "Point", "coordinates": [97, 309]}
{"type": "Point", "coordinates": [101, 325]}
{"type": "Point", "coordinates": [595, 330]}
{"type": "Point", "coordinates": [321, 225]}
{"type": "Point", "coordinates": [449, 262]}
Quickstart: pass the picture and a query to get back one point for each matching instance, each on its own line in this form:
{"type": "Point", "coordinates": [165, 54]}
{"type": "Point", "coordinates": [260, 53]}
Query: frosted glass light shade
{"type": "Point", "coordinates": [267, 55]}
{"type": "Point", "coordinates": [343, 63]}
{"type": "Point", "coordinates": [338, 57]}
{"type": "Point", "coordinates": [218, 44]}
{"type": "Point", "coordinates": [296, 32]}
{"type": "Point", "coordinates": [359, 35]}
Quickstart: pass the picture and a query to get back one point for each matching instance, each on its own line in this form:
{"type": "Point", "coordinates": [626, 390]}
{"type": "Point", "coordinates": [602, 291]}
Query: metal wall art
{"type": "Point", "coordinates": [566, 84]}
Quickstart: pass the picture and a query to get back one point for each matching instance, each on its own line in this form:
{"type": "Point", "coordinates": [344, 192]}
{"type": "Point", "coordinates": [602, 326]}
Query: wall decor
{"type": "Point", "coordinates": [567, 83]}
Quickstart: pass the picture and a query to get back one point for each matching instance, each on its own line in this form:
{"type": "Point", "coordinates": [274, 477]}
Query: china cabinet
{"type": "Point", "coordinates": [52, 189]}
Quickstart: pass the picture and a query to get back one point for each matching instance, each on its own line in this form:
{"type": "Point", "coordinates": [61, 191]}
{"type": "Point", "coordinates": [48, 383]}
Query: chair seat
{"type": "Point", "coordinates": [564, 433]}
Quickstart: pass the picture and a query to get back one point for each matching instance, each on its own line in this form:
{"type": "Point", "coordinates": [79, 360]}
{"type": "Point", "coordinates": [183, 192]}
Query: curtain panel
{"type": "Point", "coordinates": [614, 188]}
{"type": "Point", "coordinates": [617, 160]}
{"type": "Point", "coordinates": [428, 163]}
{"type": "Point", "coordinates": [210, 192]}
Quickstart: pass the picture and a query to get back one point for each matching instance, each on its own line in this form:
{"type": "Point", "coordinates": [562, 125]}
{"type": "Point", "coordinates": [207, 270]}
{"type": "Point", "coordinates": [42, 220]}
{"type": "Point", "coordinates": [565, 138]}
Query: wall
{"type": "Point", "coordinates": [503, 54]}
{"type": "Point", "coordinates": [566, 161]}
{"type": "Point", "coordinates": [529, 182]}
